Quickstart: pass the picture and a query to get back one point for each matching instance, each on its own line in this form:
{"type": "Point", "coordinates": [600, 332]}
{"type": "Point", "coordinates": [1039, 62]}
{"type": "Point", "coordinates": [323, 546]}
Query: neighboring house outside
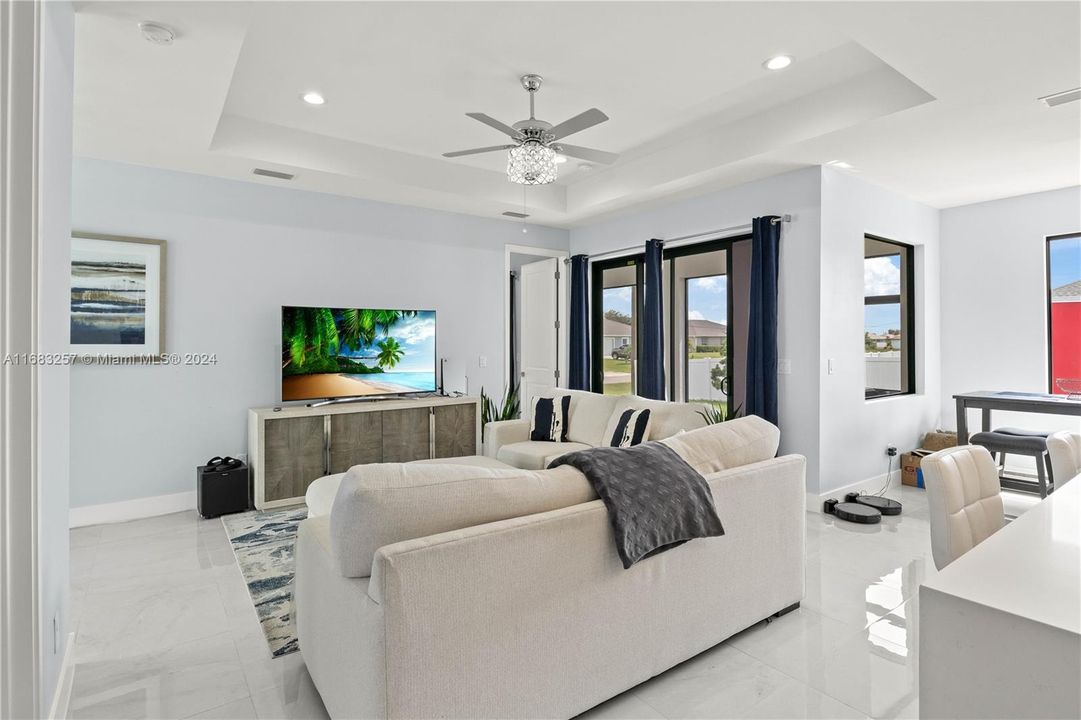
{"type": "Point", "coordinates": [1066, 332]}
{"type": "Point", "coordinates": [882, 340]}
{"type": "Point", "coordinates": [706, 333]}
{"type": "Point", "coordinates": [616, 334]}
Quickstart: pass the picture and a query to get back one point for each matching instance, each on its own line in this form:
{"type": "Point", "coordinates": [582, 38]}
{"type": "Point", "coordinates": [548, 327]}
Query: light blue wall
{"type": "Point", "coordinates": [236, 252]}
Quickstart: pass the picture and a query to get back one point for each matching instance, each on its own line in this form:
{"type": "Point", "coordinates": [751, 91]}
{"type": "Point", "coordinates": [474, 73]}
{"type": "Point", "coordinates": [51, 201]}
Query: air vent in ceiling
{"type": "Point", "coordinates": [520, 216]}
{"type": "Point", "coordinates": [1061, 98]}
{"type": "Point", "coordinates": [273, 174]}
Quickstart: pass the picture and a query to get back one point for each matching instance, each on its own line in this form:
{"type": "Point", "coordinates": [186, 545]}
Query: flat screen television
{"type": "Point", "coordinates": [330, 353]}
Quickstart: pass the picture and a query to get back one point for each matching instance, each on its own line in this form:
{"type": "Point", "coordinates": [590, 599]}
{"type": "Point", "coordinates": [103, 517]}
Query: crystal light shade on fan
{"type": "Point", "coordinates": [531, 164]}
{"type": "Point", "coordinates": [531, 159]}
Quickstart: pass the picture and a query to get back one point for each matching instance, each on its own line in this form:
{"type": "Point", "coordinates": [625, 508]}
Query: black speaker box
{"type": "Point", "coordinates": [222, 492]}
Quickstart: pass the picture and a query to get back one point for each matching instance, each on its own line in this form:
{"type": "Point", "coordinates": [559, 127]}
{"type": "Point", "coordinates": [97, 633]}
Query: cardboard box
{"type": "Point", "coordinates": [911, 474]}
{"type": "Point", "coordinates": [939, 440]}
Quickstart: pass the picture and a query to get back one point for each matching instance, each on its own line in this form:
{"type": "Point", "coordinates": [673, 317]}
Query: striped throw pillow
{"type": "Point", "coordinates": [548, 419]}
{"type": "Point", "coordinates": [631, 427]}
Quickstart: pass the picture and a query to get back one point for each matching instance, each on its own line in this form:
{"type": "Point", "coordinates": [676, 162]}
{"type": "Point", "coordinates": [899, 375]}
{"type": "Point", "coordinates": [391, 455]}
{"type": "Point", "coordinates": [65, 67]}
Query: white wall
{"type": "Point", "coordinates": [236, 252]}
{"type": "Point", "coordinates": [57, 68]}
{"type": "Point", "coordinates": [855, 431]}
{"type": "Point", "coordinates": [994, 299]}
{"type": "Point", "coordinates": [797, 193]}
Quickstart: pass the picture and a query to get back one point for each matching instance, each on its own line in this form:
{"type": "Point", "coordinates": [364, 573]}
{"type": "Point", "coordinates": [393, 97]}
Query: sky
{"type": "Point", "coordinates": [417, 337]}
{"type": "Point", "coordinates": [882, 276]}
{"type": "Point", "coordinates": [1065, 261]}
{"type": "Point", "coordinates": [707, 299]}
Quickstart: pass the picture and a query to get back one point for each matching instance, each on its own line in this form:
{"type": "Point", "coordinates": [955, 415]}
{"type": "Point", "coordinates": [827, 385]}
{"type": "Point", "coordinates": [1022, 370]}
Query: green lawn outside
{"type": "Point", "coordinates": [700, 355]}
{"type": "Point", "coordinates": [617, 388]}
{"type": "Point", "coordinates": [613, 365]}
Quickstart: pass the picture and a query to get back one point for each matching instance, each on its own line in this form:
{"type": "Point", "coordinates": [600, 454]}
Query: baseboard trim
{"type": "Point", "coordinates": [871, 484]}
{"type": "Point", "coordinates": [62, 695]}
{"type": "Point", "coordinates": [131, 509]}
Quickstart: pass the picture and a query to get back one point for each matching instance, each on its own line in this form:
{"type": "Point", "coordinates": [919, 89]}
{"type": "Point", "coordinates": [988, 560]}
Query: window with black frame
{"type": "Point", "coordinates": [1064, 313]}
{"type": "Point", "coordinates": [888, 330]}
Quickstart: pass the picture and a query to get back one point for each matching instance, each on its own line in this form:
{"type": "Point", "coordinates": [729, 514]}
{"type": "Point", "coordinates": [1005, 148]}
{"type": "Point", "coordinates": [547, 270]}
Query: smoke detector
{"type": "Point", "coordinates": [156, 33]}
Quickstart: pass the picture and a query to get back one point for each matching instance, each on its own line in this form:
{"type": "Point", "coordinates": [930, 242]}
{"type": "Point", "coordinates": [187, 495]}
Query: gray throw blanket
{"type": "Point", "coordinates": [655, 500]}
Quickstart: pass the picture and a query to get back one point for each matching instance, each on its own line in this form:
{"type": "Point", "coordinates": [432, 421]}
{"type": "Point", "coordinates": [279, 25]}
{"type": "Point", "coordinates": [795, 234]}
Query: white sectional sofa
{"type": "Point", "coordinates": [478, 592]}
{"type": "Point", "coordinates": [508, 440]}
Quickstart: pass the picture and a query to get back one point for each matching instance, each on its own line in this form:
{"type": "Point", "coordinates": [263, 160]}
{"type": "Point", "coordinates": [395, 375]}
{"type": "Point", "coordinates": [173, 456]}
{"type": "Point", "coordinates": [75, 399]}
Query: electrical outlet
{"type": "Point", "coordinates": [891, 450]}
{"type": "Point", "coordinates": [784, 367]}
{"type": "Point", "coordinates": [482, 361]}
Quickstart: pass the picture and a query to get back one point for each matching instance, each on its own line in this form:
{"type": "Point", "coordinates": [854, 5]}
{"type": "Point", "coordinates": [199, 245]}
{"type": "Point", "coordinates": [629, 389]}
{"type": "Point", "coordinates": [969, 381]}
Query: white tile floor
{"type": "Point", "coordinates": [165, 629]}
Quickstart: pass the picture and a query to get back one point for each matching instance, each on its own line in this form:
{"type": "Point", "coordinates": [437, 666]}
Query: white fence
{"type": "Point", "coordinates": [883, 370]}
{"type": "Point", "coordinates": [699, 384]}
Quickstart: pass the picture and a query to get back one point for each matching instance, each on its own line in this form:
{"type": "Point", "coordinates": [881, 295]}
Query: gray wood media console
{"type": "Point", "coordinates": [292, 446]}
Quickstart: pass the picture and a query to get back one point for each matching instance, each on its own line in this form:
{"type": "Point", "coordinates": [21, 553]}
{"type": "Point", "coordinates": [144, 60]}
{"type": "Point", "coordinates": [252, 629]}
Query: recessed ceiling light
{"type": "Point", "coordinates": [313, 98]}
{"type": "Point", "coordinates": [156, 33]}
{"type": "Point", "coordinates": [584, 166]}
{"type": "Point", "coordinates": [778, 62]}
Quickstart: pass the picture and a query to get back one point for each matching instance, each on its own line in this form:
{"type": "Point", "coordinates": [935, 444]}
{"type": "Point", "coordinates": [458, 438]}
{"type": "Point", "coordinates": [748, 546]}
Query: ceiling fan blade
{"type": "Point", "coordinates": [475, 151]}
{"type": "Point", "coordinates": [578, 123]}
{"type": "Point", "coordinates": [583, 153]}
{"type": "Point", "coordinates": [492, 122]}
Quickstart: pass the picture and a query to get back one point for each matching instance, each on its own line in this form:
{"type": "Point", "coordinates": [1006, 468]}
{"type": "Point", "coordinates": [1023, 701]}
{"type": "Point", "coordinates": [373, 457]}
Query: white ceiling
{"type": "Point", "coordinates": [936, 101]}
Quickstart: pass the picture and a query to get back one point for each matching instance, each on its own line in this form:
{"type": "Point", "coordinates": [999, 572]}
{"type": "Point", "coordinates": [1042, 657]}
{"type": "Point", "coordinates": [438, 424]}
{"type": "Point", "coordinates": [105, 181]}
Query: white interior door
{"type": "Point", "coordinates": [539, 329]}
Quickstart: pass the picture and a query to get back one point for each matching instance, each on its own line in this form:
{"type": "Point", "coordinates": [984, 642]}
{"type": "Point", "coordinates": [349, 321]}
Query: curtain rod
{"type": "Point", "coordinates": [680, 240]}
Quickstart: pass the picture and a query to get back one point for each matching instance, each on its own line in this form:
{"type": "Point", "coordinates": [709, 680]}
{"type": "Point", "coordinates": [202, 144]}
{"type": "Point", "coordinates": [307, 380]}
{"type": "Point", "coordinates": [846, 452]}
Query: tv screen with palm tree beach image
{"type": "Point", "coordinates": [356, 352]}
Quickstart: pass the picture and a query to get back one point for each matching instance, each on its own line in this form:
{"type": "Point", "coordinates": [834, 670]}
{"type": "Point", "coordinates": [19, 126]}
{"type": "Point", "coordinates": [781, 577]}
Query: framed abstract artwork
{"type": "Point", "coordinates": [117, 296]}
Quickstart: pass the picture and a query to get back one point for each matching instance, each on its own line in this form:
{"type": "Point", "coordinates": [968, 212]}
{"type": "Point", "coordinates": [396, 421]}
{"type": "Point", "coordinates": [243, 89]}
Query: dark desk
{"type": "Point", "coordinates": [987, 401]}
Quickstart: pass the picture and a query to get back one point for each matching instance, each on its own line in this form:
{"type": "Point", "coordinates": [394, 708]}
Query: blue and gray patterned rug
{"type": "Point", "coordinates": [263, 545]}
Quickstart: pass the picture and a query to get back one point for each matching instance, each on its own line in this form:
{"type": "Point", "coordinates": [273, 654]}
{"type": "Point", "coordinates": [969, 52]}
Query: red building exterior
{"type": "Point", "coordinates": [1065, 334]}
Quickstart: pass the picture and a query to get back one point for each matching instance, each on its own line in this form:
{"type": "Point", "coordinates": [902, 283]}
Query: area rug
{"type": "Point", "coordinates": [263, 545]}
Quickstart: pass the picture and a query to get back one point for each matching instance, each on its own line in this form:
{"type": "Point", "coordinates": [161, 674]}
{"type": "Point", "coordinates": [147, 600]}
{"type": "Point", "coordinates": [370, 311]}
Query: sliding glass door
{"type": "Point", "coordinates": [616, 301]}
{"type": "Point", "coordinates": [708, 303]}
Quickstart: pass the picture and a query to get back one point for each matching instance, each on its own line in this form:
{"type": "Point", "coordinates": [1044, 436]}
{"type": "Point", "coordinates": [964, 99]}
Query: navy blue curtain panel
{"type": "Point", "coordinates": [651, 355]}
{"type": "Point", "coordinates": [579, 311]}
{"type": "Point", "coordinates": [762, 333]}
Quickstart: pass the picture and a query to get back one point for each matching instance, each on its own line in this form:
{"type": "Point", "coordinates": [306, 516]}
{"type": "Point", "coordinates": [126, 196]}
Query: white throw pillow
{"type": "Point", "coordinates": [548, 418]}
{"type": "Point", "coordinates": [628, 427]}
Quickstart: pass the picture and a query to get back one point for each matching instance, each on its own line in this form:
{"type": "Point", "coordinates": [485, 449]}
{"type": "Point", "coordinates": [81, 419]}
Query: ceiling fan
{"type": "Point", "coordinates": [532, 157]}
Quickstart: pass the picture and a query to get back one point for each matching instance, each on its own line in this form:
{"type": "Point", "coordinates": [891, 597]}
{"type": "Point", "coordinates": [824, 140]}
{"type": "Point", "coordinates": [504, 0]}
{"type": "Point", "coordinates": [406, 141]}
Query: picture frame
{"type": "Point", "coordinates": [117, 299]}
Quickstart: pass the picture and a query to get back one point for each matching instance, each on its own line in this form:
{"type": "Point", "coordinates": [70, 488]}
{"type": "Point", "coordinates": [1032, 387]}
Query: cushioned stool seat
{"type": "Point", "coordinates": [1016, 441]}
{"type": "Point", "coordinates": [1006, 442]}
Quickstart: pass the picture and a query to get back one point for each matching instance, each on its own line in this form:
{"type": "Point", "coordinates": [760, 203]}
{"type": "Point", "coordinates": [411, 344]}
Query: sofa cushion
{"type": "Point", "coordinates": [533, 454]}
{"type": "Point", "coordinates": [385, 503]}
{"type": "Point", "coordinates": [726, 445]}
{"type": "Point", "coordinates": [666, 418]}
{"type": "Point", "coordinates": [321, 492]}
{"type": "Point", "coordinates": [589, 417]}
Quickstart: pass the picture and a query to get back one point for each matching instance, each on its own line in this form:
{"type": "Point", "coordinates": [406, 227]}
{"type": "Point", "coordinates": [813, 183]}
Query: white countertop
{"type": "Point", "coordinates": [1030, 568]}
